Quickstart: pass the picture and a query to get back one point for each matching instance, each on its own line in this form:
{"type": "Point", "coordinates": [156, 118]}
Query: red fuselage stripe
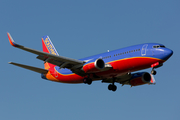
{"type": "Point", "coordinates": [119, 67]}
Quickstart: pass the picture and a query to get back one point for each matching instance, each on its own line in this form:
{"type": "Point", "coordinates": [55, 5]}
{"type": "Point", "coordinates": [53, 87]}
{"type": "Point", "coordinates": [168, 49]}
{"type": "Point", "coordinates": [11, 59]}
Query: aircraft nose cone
{"type": "Point", "coordinates": [168, 53]}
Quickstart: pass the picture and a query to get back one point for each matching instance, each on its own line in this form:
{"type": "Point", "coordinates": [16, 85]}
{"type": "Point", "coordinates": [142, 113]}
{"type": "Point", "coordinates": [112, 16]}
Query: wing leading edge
{"type": "Point", "coordinates": [50, 55]}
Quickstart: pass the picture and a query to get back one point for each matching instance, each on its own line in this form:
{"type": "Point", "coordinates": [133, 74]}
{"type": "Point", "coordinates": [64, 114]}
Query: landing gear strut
{"type": "Point", "coordinates": [155, 65]}
{"type": "Point", "coordinates": [112, 86]}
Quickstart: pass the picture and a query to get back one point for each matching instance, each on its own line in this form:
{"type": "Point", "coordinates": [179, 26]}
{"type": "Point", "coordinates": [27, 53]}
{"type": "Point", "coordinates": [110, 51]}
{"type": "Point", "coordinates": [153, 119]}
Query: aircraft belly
{"type": "Point", "coordinates": [119, 68]}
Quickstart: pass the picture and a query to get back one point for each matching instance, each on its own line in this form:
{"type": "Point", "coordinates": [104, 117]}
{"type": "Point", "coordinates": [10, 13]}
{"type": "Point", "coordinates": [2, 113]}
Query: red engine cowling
{"type": "Point", "coordinates": [140, 79]}
{"type": "Point", "coordinates": [95, 66]}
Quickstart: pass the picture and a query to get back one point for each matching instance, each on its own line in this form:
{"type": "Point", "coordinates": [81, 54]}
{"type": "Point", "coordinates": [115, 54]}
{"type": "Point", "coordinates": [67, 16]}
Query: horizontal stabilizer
{"type": "Point", "coordinates": [35, 69]}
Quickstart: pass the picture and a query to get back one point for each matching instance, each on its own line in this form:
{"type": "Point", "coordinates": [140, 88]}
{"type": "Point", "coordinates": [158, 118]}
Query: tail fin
{"type": "Point", "coordinates": [48, 46]}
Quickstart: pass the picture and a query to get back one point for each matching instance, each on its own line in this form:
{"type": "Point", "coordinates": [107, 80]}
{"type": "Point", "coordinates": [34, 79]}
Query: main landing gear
{"type": "Point", "coordinates": [112, 86]}
{"type": "Point", "coordinates": [87, 81]}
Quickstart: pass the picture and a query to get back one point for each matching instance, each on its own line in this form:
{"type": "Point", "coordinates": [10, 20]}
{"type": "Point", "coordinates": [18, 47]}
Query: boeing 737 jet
{"type": "Point", "coordinates": [111, 67]}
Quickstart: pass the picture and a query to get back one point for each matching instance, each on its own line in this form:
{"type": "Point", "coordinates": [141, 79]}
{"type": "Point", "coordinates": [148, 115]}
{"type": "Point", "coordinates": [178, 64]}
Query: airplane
{"type": "Point", "coordinates": [117, 66]}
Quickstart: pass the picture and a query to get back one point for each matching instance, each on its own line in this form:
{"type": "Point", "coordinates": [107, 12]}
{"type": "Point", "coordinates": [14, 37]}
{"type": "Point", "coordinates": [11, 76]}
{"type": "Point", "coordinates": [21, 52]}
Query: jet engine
{"type": "Point", "coordinates": [94, 66]}
{"type": "Point", "coordinates": [141, 78]}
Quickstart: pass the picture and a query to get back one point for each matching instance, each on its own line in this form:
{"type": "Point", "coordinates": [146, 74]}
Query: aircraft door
{"type": "Point", "coordinates": [144, 49]}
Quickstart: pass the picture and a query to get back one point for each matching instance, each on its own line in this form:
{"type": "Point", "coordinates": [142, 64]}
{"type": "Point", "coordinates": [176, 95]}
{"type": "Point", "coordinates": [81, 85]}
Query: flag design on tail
{"type": "Point", "coordinates": [48, 46]}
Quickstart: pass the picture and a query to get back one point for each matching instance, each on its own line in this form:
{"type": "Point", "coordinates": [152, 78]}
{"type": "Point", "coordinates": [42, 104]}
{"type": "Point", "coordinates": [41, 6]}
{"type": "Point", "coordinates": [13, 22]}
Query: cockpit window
{"type": "Point", "coordinates": [158, 46]}
{"type": "Point", "coordinates": [162, 46]}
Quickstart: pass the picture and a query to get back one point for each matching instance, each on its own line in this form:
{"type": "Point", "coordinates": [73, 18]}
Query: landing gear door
{"type": "Point", "coordinates": [144, 48]}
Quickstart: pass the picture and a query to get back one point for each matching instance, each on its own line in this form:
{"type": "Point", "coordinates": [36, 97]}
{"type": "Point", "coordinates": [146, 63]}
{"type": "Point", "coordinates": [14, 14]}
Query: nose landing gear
{"type": "Point", "coordinates": [155, 65]}
{"type": "Point", "coordinates": [153, 72]}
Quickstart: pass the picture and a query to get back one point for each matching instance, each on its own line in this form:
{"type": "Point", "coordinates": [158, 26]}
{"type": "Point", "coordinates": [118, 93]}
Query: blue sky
{"type": "Point", "coordinates": [79, 29]}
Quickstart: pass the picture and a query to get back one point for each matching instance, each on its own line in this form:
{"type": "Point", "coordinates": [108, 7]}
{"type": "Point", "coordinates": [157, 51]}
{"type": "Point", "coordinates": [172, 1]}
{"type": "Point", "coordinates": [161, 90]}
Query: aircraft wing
{"type": "Point", "coordinates": [61, 61]}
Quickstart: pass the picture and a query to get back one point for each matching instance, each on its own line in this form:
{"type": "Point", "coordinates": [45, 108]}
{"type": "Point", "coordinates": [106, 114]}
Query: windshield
{"type": "Point", "coordinates": [158, 46]}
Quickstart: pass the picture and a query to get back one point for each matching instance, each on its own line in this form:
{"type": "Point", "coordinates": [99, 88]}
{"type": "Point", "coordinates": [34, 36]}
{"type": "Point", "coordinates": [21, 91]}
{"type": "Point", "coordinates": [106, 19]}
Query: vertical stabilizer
{"type": "Point", "coordinates": [48, 46]}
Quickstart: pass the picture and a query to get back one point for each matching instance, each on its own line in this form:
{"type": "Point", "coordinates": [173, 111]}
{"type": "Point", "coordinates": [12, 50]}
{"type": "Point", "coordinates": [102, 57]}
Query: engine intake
{"type": "Point", "coordinates": [99, 64]}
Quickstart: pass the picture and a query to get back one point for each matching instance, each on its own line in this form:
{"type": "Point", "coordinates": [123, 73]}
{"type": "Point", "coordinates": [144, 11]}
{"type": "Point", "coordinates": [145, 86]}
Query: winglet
{"type": "Point", "coordinates": [12, 41]}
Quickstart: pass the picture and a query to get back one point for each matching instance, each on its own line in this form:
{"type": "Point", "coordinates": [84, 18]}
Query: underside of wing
{"type": "Point", "coordinates": [123, 79]}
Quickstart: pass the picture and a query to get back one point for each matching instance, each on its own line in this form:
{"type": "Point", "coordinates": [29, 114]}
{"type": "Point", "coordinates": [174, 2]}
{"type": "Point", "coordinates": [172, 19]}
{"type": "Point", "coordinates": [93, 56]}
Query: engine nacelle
{"type": "Point", "coordinates": [94, 66]}
{"type": "Point", "coordinates": [141, 78]}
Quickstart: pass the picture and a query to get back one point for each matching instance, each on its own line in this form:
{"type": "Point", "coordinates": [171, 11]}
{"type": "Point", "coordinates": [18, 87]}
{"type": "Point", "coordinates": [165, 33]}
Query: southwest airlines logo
{"type": "Point", "coordinates": [49, 46]}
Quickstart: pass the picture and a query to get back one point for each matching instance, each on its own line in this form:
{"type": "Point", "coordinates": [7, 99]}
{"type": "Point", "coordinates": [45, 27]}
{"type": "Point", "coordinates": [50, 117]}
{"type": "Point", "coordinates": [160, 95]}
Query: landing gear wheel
{"type": "Point", "coordinates": [112, 87]}
{"type": "Point", "coordinates": [87, 81]}
{"type": "Point", "coordinates": [153, 72]}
